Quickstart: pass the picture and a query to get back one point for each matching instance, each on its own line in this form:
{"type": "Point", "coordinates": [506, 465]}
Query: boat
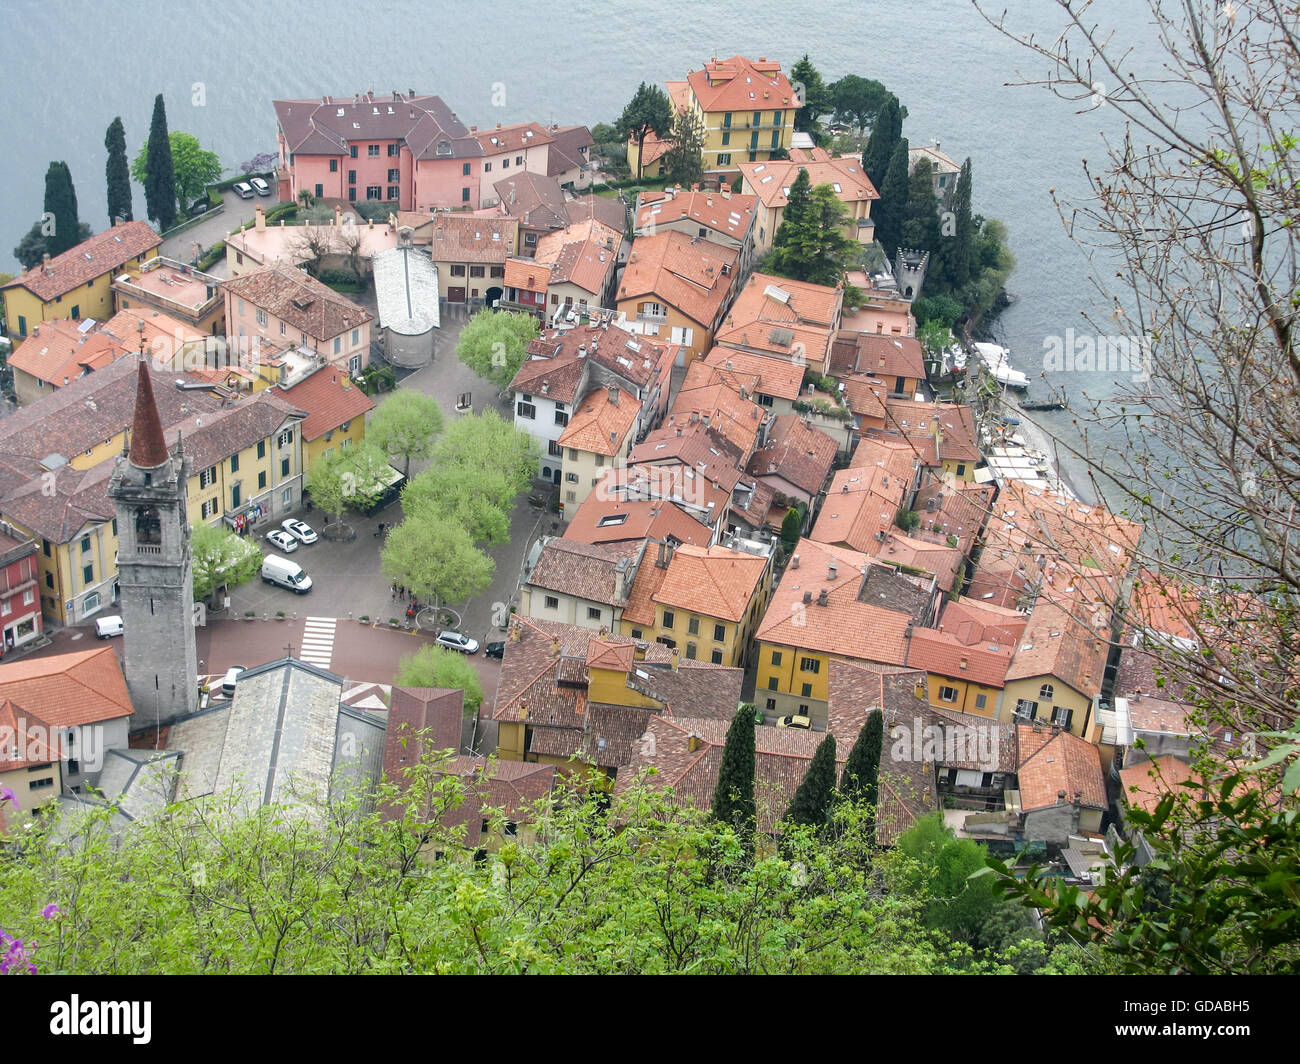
{"type": "Point", "coordinates": [997, 360]}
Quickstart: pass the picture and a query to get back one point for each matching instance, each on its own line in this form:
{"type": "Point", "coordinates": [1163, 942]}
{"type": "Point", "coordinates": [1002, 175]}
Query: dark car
{"type": "Point", "coordinates": [494, 650]}
{"type": "Point", "coordinates": [200, 207]}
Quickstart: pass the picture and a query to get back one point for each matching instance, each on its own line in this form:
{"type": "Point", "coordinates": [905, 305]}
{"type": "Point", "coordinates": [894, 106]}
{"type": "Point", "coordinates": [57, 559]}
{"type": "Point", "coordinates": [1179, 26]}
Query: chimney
{"type": "Point", "coordinates": [821, 597]}
{"type": "Point", "coordinates": [36, 331]}
{"type": "Point", "coordinates": [794, 561]}
{"type": "Point", "coordinates": [638, 653]}
{"type": "Point", "coordinates": [677, 654]}
{"type": "Point", "coordinates": [613, 394]}
{"type": "Point", "coordinates": [692, 742]}
{"type": "Point", "coordinates": [1060, 797]}
{"type": "Point", "coordinates": [832, 571]}
{"type": "Point", "coordinates": [260, 215]}
{"type": "Point", "coordinates": [338, 214]}
{"type": "Point", "coordinates": [555, 647]}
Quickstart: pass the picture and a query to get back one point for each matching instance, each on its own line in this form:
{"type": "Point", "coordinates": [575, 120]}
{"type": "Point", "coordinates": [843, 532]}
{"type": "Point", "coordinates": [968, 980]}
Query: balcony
{"type": "Point", "coordinates": [651, 318]}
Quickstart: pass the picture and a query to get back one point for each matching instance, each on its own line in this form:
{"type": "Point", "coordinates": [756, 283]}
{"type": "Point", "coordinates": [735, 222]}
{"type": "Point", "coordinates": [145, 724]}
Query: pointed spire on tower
{"type": "Point", "coordinates": [148, 446]}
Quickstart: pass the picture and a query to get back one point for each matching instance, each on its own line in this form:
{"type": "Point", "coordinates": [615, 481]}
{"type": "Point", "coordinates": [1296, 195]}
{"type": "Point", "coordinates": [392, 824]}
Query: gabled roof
{"type": "Point", "coordinates": [723, 409]}
{"type": "Point", "coordinates": [860, 507]}
{"type": "Point", "coordinates": [776, 376]}
{"type": "Point", "coordinates": [506, 139]}
{"type": "Point", "coordinates": [944, 655]}
{"type": "Point", "coordinates": [92, 258]}
{"type": "Point", "coordinates": [163, 335]}
{"type": "Point", "coordinates": [570, 149]}
{"type": "Point", "coordinates": [535, 201]}
{"type": "Point", "coordinates": [584, 254]}
{"type": "Point", "coordinates": [878, 354]}
{"type": "Point", "coordinates": [724, 213]}
{"type": "Point", "coordinates": [588, 571]}
{"type": "Point", "coordinates": [702, 450]}
{"type": "Point", "coordinates": [713, 581]}
{"type": "Point", "coordinates": [324, 126]}
{"type": "Point", "coordinates": [771, 180]}
{"type": "Point", "coordinates": [329, 399]}
{"type": "Point", "coordinates": [301, 301]}
{"type": "Point", "coordinates": [602, 421]}
{"type": "Point", "coordinates": [691, 275]}
{"type": "Point", "coordinates": [742, 84]}
{"type": "Point", "coordinates": [797, 453]}
{"type": "Point", "coordinates": [28, 734]}
{"type": "Point", "coordinates": [513, 787]}
{"type": "Point", "coordinates": [1052, 761]}
{"type": "Point", "coordinates": [1145, 783]}
{"type": "Point", "coordinates": [1059, 645]}
{"type": "Point", "coordinates": [601, 519]}
{"type": "Point", "coordinates": [68, 690]}
{"type": "Point", "coordinates": [459, 238]}
{"type": "Point", "coordinates": [782, 317]}
{"type": "Point", "coordinates": [60, 351]}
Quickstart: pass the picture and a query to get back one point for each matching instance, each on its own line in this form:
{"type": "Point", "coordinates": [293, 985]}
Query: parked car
{"type": "Point", "coordinates": [282, 540]}
{"type": "Point", "coordinates": [456, 641]}
{"type": "Point", "coordinates": [300, 530]}
{"type": "Point", "coordinates": [244, 190]}
{"type": "Point", "coordinates": [107, 627]}
{"type": "Point", "coordinates": [230, 679]}
{"type": "Point", "coordinates": [286, 574]}
{"type": "Point", "coordinates": [494, 650]}
{"type": "Point", "coordinates": [260, 186]}
{"type": "Point", "coordinates": [794, 721]}
{"type": "Point", "coordinates": [200, 206]}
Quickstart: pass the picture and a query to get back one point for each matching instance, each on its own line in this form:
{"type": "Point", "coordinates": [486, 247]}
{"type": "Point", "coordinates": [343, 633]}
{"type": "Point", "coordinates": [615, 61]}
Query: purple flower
{"type": "Point", "coordinates": [50, 912]}
{"type": "Point", "coordinates": [14, 956]}
{"type": "Point", "coordinates": [7, 795]}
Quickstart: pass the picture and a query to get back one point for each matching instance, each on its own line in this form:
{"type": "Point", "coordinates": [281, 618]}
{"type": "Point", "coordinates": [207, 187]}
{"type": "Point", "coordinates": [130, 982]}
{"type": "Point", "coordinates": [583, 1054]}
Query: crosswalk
{"type": "Point", "coordinates": [318, 641]}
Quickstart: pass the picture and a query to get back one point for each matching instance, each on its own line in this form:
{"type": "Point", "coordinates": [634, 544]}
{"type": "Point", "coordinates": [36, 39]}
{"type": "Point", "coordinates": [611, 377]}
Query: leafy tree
{"type": "Point", "coordinates": [350, 478]}
{"type": "Point", "coordinates": [684, 159]}
{"type": "Point", "coordinates": [434, 666]}
{"type": "Point", "coordinates": [436, 558]}
{"type": "Point", "coordinates": [157, 173]}
{"type": "Point", "coordinates": [885, 134]}
{"type": "Point", "coordinates": [862, 767]}
{"type": "Point", "coordinates": [858, 101]}
{"type": "Point", "coordinates": [813, 247]}
{"type": "Point", "coordinates": [814, 95]}
{"type": "Point", "coordinates": [892, 207]}
{"type": "Point", "coordinates": [486, 443]}
{"type": "Point", "coordinates": [221, 559]}
{"type": "Point", "coordinates": [733, 798]}
{"type": "Point", "coordinates": [470, 496]}
{"type": "Point", "coordinates": [941, 869]}
{"type": "Point", "coordinates": [193, 167]}
{"type": "Point", "coordinates": [117, 174]}
{"type": "Point", "coordinates": [405, 426]}
{"type": "Point", "coordinates": [941, 310]}
{"type": "Point", "coordinates": [811, 804]}
{"type": "Point", "coordinates": [494, 344]}
{"type": "Point", "coordinates": [649, 111]}
{"type": "Point", "coordinates": [33, 246]}
{"type": "Point", "coordinates": [935, 338]}
{"type": "Point", "coordinates": [61, 202]}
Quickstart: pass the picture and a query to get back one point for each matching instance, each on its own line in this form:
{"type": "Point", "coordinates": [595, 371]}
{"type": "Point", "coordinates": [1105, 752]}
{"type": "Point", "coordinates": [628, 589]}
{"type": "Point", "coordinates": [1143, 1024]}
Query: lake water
{"type": "Point", "coordinates": [72, 66]}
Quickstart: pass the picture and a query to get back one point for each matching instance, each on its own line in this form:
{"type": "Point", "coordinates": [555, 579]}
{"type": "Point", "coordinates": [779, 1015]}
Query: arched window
{"type": "Point", "coordinates": [1045, 692]}
{"type": "Point", "coordinates": [148, 527]}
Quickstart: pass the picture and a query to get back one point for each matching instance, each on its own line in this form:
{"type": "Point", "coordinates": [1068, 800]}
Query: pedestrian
{"type": "Point", "coordinates": [410, 612]}
{"type": "Point", "coordinates": [392, 589]}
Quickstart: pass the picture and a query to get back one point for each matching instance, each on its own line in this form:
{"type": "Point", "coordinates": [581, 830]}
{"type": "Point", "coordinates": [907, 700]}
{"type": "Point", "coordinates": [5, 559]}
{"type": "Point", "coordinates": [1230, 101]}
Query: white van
{"type": "Point", "coordinates": [107, 627]}
{"type": "Point", "coordinates": [286, 574]}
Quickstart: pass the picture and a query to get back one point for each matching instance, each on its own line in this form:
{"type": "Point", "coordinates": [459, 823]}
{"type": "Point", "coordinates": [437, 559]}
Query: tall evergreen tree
{"type": "Point", "coordinates": [649, 111]}
{"type": "Point", "coordinates": [891, 209]}
{"type": "Point", "coordinates": [684, 159]}
{"type": "Point", "coordinates": [922, 228]}
{"type": "Point", "coordinates": [160, 180]}
{"type": "Point", "coordinates": [797, 214]}
{"type": "Point", "coordinates": [815, 97]}
{"type": "Point", "coordinates": [733, 798]}
{"type": "Point", "coordinates": [117, 173]}
{"type": "Point", "coordinates": [861, 779]}
{"type": "Point", "coordinates": [885, 133]}
{"type": "Point", "coordinates": [811, 804]}
{"type": "Point", "coordinates": [960, 258]}
{"type": "Point", "coordinates": [61, 202]}
{"type": "Point", "coordinates": [813, 247]}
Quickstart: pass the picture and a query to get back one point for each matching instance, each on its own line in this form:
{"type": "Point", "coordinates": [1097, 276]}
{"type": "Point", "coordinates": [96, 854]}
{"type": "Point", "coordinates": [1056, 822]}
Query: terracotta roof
{"type": "Point", "coordinates": [527, 274]}
{"type": "Point", "coordinates": [301, 301]}
{"type": "Point", "coordinates": [844, 626]}
{"type": "Point", "coordinates": [1051, 762]}
{"type": "Point", "coordinates": [68, 690]}
{"type": "Point", "coordinates": [860, 507]}
{"type": "Point", "coordinates": [1056, 644]}
{"type": "Point", "coordinates": [533, 200]}
{"type": "Point", "coordinates": [640, 608]}
{"type": "Point", "coordinates": [92, 258]}
{"type": "Point", "coordinates": [782, 317]}
{"type": "Point", "coordinates": [755, 506]}
{"type": "Point", "coordinates": [231, 429]}
{"type": "Point", "coordinates": [864, 395]}
{"type": "Point", "coordinates": [713, 581]}
{"type": "Point", "coordinates": [602, 421]}
{"type": "Point", "coordinates": [148, 447]}
{"type": "Point", "coordinates": [584, 254]}
{"type": "Point", "coordinates": [971, 621]}
{"type": "Point", "coordinates": [944, 655]}
{"type": "Point", "coordinates": [877, 354]}
{"type": "Point", "coordinates": [162, 334]}
{"type": "Point", "coordinates": [414, 710]}
{"type": "Point", "coordinates": [960, 509]}
{"type": "Point", "coordinates": [957, 425]}
{"type": "Point", "coordinates": [602, 519]}
{"type": "Point", "coordinates": [796, 453]}
{"type": "Point", "coordinates": [683, 273]}
{"type": "Point", "coordinates": [513, 787]}
{"type": "Point", "coordinates": [556, 378]}
{"type": "Point", "coordinates": [570, 148]}
{"type": "Point", "coordinates": [671, 481]}
{"type": "Point", "coordinates": [775, 376]}
{"type": "Point", "coordinates": [894, 456]}
{"type": "Point", "coordinates": [27, 733]}
{"type": "Point", "coordinates": [639, 360]}
{"type": "Point", "coordinates": [742, 84]}
{"type": "Point", "coordinates": [1145, 783]}
{"type": "Point", "coordinates": [506, 139]}
{"type": "Point", "coordinates": [703, 452]}
{"type": "Point", "coordinates": [727, 214]}
{"type": "Point", "coordinates": [1158, 715]}
{"type": "Point", "coordinates": [604, 209]}
{"type": "Point", "coordinates": [721, 408]}
{"type": "Point", "coordinates": [60, 351]}
{"type": "Point", "coordinates": [328, 399]}
{"type": "Point", "coordinates": [585, 570]}
{"type": "Point", "coordinates": [771, 180]}
{"type": "Point", "coordinates": [325, 125]}
{"type": "Point", "coordinates": [461, 238]}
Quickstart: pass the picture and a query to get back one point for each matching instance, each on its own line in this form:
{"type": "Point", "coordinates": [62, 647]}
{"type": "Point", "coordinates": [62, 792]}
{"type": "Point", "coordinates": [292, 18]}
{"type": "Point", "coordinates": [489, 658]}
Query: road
{"type": "Point", "coordinates": [207, 232]}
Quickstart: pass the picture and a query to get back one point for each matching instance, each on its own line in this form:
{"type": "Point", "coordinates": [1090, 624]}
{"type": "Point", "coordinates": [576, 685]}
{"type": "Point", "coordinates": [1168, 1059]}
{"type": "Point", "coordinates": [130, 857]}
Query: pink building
{"type": "Point", "coordinates": [408, 150]}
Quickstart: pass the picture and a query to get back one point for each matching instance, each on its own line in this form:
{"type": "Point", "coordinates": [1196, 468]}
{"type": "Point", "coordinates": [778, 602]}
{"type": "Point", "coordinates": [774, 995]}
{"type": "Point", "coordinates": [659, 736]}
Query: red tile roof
{"type": "Point", "coordinates": [1145, 783]}
{"type": "Point", "coordinates": [760, 374]}
{"type": "Point", "coordinates": [68, 690]}
{"type": "Point", "coordinates": [301, 301]}
{"type": "Point", "coordinates": [602, 421]}
{"type": "Point", "coordinates": [860, 507]}
{"type": "Point", "coordinates": [329, 399]}
{"type": "Point", "coordinates": [460, 238]}
{"type": "Point", "coordinates": [877, 354]}
{"type": "Point", "coordinates": [62, 350]}
{"type": "Point", "coordinates": [94, 257]}
{"type": "Point", "coordinates": [795, 453]}
{"type": "Point", "coordinates": [742, 84]}
{"type": "Point", "coordinates": [26, 733]}
{"type": "Point", "coordinates": [713, 581]}
{"type": "Point", "coordinates": [1051, 762]}
{"type": "Point", "coordinates": [505, 139]}
{"type": "Point", "coordinates": [724, 213]}
{"type": "Point", "coordinates": [683, 273]}
{"type": "Point", "coordinates": [602, 519]}
{"type": "Point", "coordinates": [585, 254]}
{"type": "Point", "coordinates": [783, 318]}
{"type": "Point", "coordinates": [771, 180]}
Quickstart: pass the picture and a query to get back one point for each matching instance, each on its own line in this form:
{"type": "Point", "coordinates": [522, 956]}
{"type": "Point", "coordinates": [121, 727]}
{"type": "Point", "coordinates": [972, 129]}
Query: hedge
{"type": "Point", "coordinates": [212, 255]}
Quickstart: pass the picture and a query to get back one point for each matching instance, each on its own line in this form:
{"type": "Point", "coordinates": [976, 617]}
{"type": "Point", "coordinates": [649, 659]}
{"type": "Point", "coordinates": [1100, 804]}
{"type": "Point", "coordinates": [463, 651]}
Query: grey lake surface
{"type": "Point", "coordinates": [71, 66]}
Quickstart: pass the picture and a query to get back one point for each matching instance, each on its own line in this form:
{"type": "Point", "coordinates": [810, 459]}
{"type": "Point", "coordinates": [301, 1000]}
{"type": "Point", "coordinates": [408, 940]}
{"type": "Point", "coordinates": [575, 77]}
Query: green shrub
{"type": "Point", "coordinates": [212, 255]}
{"type": "Point", "coordinates": [341, 279]}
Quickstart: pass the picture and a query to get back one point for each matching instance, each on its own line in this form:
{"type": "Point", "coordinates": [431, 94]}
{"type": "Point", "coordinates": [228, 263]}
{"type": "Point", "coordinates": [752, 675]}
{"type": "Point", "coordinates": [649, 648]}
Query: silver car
{"type": "Point", "coordinates": [281, 540]}
{"type": "Point", "coordinates": [458, 642]}
{"type": "Point", "coordinates": [300, 530]}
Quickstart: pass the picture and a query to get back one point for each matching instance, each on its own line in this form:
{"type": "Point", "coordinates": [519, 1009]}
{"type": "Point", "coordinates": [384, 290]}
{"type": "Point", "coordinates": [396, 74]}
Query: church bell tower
{"type": "Point", "coordinates": [148, 486]}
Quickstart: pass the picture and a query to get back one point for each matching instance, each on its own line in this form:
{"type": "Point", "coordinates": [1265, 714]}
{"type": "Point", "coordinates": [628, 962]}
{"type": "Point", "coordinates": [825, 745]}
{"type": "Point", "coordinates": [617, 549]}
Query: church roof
{"type": "Point", "coordinates": [148, 447]}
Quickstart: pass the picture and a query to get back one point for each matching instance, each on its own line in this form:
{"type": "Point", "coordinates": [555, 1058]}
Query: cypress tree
{"type": "Point", "coordinates": [733, 798]}
{"type": "Point", "coordinates": [962, 254]}
{"type": "Point", "coordinates": [880, 147]}
{"type": "Point", "coordinates": [117, 173]}
{"type": "Point", "coordinates": [922, 229]}
{"type": "Point", "coordinates": [160, 179]}
{"type": "Point", "coordinates": [811, 804]}
{"type": "Point", "coordinates": [892, 209]}
{"type": "Point", "coordinates": [861, 779]}
{"type": "Point", "coordinates": [61, 201]}
{"type": "Point", "coordinates": [795, 219]}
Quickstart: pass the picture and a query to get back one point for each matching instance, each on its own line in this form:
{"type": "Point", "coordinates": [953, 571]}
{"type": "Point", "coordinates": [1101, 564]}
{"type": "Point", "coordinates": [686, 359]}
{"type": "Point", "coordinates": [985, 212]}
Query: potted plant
{"type": "Point", "coordinates": [279, 615]}
{"type": "Point", "coordinates": [249, 615]}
